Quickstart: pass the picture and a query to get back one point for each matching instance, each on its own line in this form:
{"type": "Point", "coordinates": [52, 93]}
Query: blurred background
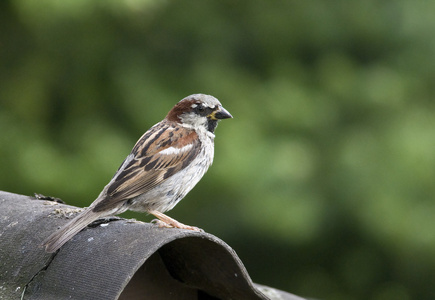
{"type": "Point", "coordinates": [323, 182]}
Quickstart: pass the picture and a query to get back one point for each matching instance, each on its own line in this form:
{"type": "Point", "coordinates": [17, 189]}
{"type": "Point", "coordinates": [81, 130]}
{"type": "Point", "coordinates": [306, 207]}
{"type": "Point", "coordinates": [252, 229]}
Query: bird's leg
{"type": "Point", "coordinates": [168, 222]}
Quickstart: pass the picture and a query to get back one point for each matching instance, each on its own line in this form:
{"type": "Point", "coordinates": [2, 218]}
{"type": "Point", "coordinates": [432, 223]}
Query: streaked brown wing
{"type": "Point", "coordinates": [165, 152]}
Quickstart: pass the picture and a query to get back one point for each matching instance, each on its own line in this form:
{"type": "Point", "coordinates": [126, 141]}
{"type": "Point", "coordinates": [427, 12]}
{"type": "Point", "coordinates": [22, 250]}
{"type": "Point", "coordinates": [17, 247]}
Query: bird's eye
{"type": "Point", "coordinates": [200, 108]}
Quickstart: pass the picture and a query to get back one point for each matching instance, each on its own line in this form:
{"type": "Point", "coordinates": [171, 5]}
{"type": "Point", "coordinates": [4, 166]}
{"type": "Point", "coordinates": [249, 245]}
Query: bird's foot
{"type": "Point", "coordinates": [164, 221]}
{"type": "Point", "coordinates": [161, 224]}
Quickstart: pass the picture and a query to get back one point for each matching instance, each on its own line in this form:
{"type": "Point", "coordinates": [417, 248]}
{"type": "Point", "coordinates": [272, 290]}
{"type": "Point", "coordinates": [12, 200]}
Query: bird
{"type": "Point", "coordinates": [163, 166]}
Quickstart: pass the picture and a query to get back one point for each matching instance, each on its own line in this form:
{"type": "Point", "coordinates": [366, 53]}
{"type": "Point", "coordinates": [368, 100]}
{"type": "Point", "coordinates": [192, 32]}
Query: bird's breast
{"type": "Point", "coordinates": [166, 195]}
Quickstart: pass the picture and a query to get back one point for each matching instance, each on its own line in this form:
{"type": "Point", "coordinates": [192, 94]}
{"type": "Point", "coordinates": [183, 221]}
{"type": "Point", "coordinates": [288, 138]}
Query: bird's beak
{"type": "Point", "coordinates": [220, 114]}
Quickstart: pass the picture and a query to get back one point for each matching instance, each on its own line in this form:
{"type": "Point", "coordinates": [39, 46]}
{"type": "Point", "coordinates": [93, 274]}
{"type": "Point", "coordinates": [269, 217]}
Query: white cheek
{"type": "Point", "coordinates": [192, 120]}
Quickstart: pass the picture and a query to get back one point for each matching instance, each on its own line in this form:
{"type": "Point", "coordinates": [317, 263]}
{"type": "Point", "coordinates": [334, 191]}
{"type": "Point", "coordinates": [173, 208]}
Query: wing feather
{"type": "Point", "coordinates": [158, 155]}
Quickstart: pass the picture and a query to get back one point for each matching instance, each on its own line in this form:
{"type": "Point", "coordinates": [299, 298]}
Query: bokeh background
{"type": "Point", "coordinates": [324, 180]}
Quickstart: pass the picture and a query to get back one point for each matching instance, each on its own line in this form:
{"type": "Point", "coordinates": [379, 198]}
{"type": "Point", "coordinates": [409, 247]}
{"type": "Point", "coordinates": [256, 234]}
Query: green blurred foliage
{"type": "Point", "coordinates": [323, 181]}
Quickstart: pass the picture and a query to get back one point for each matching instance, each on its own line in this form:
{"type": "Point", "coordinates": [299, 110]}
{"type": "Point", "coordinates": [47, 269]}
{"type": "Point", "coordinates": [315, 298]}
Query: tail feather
{"type": "Point", "coordinates": [70, 229]}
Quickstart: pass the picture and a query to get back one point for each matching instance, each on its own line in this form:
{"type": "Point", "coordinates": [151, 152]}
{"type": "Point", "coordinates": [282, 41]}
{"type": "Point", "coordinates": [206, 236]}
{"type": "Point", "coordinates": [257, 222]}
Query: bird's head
{"type": "Point", "coordinates": [198, 112]}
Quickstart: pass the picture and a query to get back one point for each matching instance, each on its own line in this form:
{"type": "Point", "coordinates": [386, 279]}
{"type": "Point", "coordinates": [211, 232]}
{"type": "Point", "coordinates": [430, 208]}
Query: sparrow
{"type": "Point", "coordinates": [163, 166]}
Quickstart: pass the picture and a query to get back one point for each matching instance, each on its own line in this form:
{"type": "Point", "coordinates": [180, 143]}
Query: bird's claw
{"type": "Point", "coordinates": [162, 224]}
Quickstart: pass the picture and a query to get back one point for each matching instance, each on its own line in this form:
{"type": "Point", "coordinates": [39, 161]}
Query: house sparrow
{"type": "Point", "coordinates": [164, 165]}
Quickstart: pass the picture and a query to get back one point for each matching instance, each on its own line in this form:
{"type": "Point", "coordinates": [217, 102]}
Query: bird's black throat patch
{"type": "Point", "coordinates": [211, 124]}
